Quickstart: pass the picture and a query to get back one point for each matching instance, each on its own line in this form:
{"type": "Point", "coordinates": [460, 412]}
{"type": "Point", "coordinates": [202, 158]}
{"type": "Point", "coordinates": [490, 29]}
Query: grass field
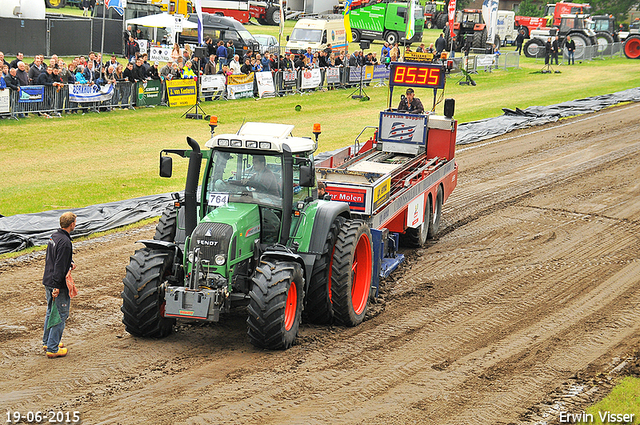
{"type": "Point", "coordinates": [623, 399]}
{"type": "Point", "coordinates": [82, 160]}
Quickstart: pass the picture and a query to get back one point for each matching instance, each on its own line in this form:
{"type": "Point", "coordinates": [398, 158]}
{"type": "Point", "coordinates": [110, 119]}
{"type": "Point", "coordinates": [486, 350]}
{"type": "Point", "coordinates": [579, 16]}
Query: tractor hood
{"type": "Point", "coordinates": [229, 230]}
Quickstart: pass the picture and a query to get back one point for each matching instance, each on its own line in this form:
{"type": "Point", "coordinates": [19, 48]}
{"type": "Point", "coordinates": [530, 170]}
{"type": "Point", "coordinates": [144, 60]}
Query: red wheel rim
{"type": "Point", "coordinates": [291, 306]}
{"type": "Point", "coordinates": [361, 270]}
{"type": "Point", "coordinates": [632, 48]}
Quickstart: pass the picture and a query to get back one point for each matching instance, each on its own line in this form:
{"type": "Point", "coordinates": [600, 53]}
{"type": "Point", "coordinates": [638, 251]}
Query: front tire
{"type": "Point", "coordinates": [351, 273]}
{"type": "Point", "coordinates": [533, 48]}
{"type": "Point", "coordinates": [605, 42]}
{"type": "Point", "coordinates": [143, 297]}
{"type": "Point", "coordinates": [318, 306]}
{"type": "Point", "coordinates": [391, 37]}
{"type": "Point", "coordinates": [355, 36]}
{"type": "Point", "coordinates": [275, 305]}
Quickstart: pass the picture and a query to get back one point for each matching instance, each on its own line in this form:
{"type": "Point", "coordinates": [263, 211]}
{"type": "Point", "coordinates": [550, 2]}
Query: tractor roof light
{"type": "Point", "coordinates": [316, 131]}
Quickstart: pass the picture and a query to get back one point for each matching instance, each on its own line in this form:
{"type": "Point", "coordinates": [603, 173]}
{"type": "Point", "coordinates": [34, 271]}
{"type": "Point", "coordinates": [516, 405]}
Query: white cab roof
{"type": "Point", "coordinates": [263, 136]}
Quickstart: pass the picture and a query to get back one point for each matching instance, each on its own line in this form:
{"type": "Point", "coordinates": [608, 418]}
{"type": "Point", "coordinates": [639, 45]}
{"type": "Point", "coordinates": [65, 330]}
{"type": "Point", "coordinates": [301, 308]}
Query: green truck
{"type": "Point", "coordinates": [385, 21]}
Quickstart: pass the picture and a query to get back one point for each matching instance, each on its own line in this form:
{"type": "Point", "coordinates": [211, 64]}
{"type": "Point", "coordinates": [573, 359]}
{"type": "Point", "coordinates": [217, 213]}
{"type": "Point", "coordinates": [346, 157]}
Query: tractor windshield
{"type": "Point", "coordinates": [245, 177]}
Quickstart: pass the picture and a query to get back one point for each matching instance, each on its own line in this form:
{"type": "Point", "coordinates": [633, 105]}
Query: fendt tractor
{"type": "Point", "coordinates": [257, 237]}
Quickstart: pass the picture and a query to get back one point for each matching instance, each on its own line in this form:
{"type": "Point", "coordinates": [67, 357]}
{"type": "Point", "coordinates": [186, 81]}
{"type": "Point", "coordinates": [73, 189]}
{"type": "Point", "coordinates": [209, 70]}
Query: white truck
{"type": "Point", "coordinates": [317, 33]}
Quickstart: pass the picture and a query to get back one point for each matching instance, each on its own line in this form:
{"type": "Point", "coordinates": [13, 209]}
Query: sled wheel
{"type": "Point", "coordinates": [434, 225]}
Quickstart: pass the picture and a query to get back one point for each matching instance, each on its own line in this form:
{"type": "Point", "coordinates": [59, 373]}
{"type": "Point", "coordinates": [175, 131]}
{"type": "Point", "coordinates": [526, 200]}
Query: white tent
{"type": "Point", "coordinates": [161, 20]}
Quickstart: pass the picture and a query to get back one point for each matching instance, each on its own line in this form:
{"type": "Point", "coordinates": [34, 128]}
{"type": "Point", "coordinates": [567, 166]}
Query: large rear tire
{"type": "Point", "coordinates": [417, 237]}
{"type": "Point", "coordinates": [273, 15]}
{"type": "Point", "coordinates": [533, 48]}
{"type": "Point", "coordinates": [143, 298]}
{"type": "Point", "coordinates": [632, 47]}
{"type": "Point", "coordinates": [275, 305]}
{"type": "Point", "coordinates": [442, 20]}
{"type": "Point", "coordinates": [434, 225]}
{"type": "Point", "coordinates": [318, 307]}
{"type": "Point", "coordinates": [479, 39]}
{"type": "Point", "coordinates": [166, 227]}
{"type": "Point", "coordinates": [351, 273]}
{"type": "Point", "coordinates": [55, 4]}
{"type": "Point", "coordinates": [582, 43]}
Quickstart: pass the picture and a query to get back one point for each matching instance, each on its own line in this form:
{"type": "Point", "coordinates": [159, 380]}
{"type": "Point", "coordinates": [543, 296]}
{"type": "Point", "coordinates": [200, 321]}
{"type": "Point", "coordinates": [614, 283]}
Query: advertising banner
{"type": "Point", "coordinates": [181, 92]}
{"type": "Point", "coordinates": [332, 75]}
{"type": "Point", "coordinates": [162, 54]}
{"type": "Point", "coordinates": [144, 46]}
{"type": "Point", "coordinates": [212, 83]}
{"type": "Point", "coordinates": [265, 84]}
{"type": "Point", "coordinates": [240, 86]}
{"type": "Point", "coordinates": [149, 93]}
{"type": "Point", "coordinates": [311, 78]}
{"type": "Point", "coordinates": [380, 72]}
{"type": "Point", "coordinates": [4, 101]}
{"type": "Point", "coordinates": [31, 94]}
{"type": "Point", "coordinates": [288, 79]}
{"type": "Point", "coordinates": [402, 128]}
{"type": "Point", "coordinates": [81, 93]}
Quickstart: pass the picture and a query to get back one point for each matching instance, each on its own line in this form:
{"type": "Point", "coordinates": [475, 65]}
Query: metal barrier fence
{"type": "Point", "coordinates": [56, 101]}
{"type": "Point", "coordinates": [588, 53]}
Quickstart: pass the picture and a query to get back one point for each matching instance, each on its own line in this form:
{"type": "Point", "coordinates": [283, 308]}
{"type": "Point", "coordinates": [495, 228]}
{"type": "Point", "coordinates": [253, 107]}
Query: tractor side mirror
{"type": "Point", "coordinates": [166, 166]}
{"type": "Point", "coordinates": [307, 175]}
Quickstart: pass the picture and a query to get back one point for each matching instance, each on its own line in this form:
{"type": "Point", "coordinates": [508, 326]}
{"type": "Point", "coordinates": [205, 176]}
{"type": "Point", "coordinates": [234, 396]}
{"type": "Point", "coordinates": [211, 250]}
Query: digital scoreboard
{"type": "Point", "coordinates": [411, 74]}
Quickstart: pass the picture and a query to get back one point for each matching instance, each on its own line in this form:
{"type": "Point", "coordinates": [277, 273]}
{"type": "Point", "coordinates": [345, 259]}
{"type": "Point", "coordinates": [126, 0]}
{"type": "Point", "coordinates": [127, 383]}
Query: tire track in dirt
{"type": "Point", "coordinates": [533, 279]}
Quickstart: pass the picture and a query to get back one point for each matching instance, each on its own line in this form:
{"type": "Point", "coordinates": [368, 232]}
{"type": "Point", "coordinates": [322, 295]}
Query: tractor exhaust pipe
{"type": "Point", "coordinates": [287, 193]}
{"type": "Point", "coordinates": [191, 187]}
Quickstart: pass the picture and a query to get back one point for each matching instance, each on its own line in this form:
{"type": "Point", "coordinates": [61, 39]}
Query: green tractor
{"type": "Point", "coordinates": [245, 241]}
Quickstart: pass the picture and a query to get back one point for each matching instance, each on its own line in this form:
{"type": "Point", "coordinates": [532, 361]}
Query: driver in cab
{"type": "Point", "coordinates": [263, 178]}
{"type": "Point", "coordinates": [411, 103]}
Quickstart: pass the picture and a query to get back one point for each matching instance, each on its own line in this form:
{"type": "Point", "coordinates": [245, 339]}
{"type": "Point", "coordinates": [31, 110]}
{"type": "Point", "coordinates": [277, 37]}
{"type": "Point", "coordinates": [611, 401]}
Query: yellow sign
{"type": "Point", "coordinates": [418, 57]}
{"type": "Point", "coordinates": [381, 193]}
{"type": "Point", "coordinates": [181, 92]}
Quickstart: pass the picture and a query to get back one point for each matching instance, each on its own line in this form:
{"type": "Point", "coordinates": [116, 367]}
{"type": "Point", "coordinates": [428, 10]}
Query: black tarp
{"type": "Point", "coordinates": [22, 231]}
{"type": "Point", "coordinates": [514, 119]}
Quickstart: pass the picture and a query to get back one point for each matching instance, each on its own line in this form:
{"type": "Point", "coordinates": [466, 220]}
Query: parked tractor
{"type": "Point", "coordinates": [570, 25]}
{"type": "Point", "coordinates": [468, 27]}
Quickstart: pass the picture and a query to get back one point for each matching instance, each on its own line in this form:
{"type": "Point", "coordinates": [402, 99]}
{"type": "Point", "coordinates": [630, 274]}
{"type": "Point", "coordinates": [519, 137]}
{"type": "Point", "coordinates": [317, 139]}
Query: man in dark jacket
{"type": "Point", "coordinates": [571, 50]}
{"type": "Point", "coordinates": [441, 45]}
{"type": "Point", "coordinates": [555, 47]}
{"type": "Point", "coordinates": [59, 261]}
{"type": "Point", "coordinates": [519, 41]}
{"type": "Point", "coordinates": [12, 81]}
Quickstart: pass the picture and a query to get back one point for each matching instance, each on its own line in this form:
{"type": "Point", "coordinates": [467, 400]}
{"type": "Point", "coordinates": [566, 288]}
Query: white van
{"type": "Point", "coordinates": [317, 33]}
{"type": "Point", "coordinates": [506, 27]}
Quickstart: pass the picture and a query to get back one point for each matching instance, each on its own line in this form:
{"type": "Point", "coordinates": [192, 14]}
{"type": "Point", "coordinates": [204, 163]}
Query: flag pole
{"type": "Point", "coordinates": [104, 13]}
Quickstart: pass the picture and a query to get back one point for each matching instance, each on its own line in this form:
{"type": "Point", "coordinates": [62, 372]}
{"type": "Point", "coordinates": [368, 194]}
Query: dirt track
{"type": "Point", "coordinates": [533, 285]}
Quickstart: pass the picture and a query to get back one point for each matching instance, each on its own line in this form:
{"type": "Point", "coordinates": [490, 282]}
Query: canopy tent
{"type": "Point", "coordinates": [161, 20]}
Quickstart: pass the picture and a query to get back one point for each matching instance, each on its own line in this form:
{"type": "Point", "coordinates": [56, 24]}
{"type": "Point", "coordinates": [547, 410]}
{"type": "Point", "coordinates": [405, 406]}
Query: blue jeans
{"type": "Point", "coordinates": [571, 55]}
{"type": "Point", "coordinates": [221, 62]}
{"type": "Point", "coordinates": [51, 337]}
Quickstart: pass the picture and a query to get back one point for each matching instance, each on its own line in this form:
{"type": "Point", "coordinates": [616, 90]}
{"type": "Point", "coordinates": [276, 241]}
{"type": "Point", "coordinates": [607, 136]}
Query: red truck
{"type": "Point", "coordinates": [553, 16]}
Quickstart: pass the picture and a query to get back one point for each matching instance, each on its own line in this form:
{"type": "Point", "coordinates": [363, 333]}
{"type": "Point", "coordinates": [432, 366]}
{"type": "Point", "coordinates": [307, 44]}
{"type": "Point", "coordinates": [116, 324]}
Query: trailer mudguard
{"type": "Point", "coordinates": [326, 214]}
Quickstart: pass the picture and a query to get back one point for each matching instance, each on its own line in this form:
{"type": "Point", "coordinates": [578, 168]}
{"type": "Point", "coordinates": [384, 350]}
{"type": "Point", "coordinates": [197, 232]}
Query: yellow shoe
{"type": "Point", "coordinates": [61, 353]}
{"type": "Point", "coordinates": [44, 347]}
